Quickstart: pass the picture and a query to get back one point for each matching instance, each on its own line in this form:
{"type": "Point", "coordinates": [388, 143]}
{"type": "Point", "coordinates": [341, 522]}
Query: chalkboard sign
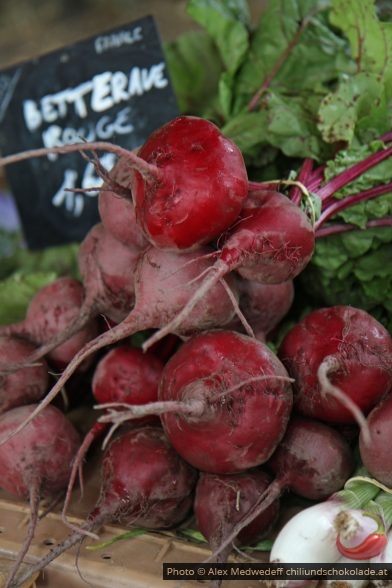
{"type": "Point", "coordinates": [112, 87]}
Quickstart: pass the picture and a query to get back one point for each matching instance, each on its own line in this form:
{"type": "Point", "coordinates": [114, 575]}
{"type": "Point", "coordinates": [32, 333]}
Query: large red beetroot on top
{"type": "Point", "coordinates": [201, 187]}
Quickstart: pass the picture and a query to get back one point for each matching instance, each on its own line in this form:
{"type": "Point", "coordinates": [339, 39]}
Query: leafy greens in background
{"type": "Point", "coordinates": [17, 290]}
{"type": "Point", "coordinates": [311, 79]}
{"type": "Point", "coordinates": [23, 273]}
{"type": "Point", "coordinates": [310, 74]}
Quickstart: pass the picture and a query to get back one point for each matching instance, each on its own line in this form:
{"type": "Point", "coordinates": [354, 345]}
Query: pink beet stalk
{"type": "Point", "coordinates": [352, 173]}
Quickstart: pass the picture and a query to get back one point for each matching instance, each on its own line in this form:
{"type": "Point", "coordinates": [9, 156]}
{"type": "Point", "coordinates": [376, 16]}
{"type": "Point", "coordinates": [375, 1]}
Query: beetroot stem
{"type": "Point", "coordinates": [237, 309]}
{"type": "Point", "coordinates": [351, 200]}
{"type": "Point", "coordinates": [257, 186]}
{"type": "Point", "coordinates": [148, 171]}
{"type": "Point", "coordinates": [217, 273]}
{"type": "Point", "coordinates": [252, 380]}
{"type": "Point", "coordinates": [352, 173]}
{"type": "Point", "coordinates": [96, 430]}
{"type": "Point", "coordinates": [34, 509]}
{"type": "Point", "coordinates": [303, 176]}
{"type": "Point", "coordinates": [192, 407]}
{"type": "Point", "coordinates": [120, 331]}
{"type": "Point", "coordinates": [333, 229]}
{"type": "Point", "coordinates": [93, 522]}
{"type": "Point", "coordinates": [315, 179]}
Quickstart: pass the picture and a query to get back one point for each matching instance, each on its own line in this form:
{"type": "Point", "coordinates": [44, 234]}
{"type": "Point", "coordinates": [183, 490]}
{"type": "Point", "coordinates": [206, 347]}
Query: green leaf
{"type": "Point", "coordinates": [292, 125]}
{"type": "Point", "coordinates": [289, 124]}
{"type": "Point", "coordinates": [360, 105]}
{"type": "Point", "coordinates": [16, 292]}
{"type": "Point", "coordinates": [63, 260]}
{"type": "Point", "coordinates": [353, 268]}
{"type": "Point", "coordinates": [292, 50]}
{"type": "Point", "coordinates": [370, 39]}
{"type": "Point", "coordinates": [193, 535]}
{"type": "Point", "coordinates": [195, 67]}
{"type": "Point", "coordinates": [247, 129]}
{"type": "Point", "coordinates": [122, 537]}
{"type": "Point", "coordinates": [265, 545]}
{"type": "Point", "coordinates": [10, 242]}
{"type": "Point", "coordinates": [226, 95]}
{"type": "Point", "coordinates": [227, 22]}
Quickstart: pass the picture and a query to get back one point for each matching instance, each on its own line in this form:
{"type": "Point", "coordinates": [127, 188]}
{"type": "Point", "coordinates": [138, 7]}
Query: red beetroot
{"type": "Point", "coordinates": [51, 313]}
{"type": "Point", "coordinates": [107, 267]}
{"type": "Point", "coordinates": [40, 457]}
{"type": "Point", "coordinates": [241, 423]}
{"type": "Point", "coordinates": [125, 375]}
{"type": "Point", "coordinates": [37, 462]}
{"type": "Point", "coordinates": [338, 349]}
{"type": "Point", "coordinates": [144, 483]}
{"type": "Point", "coordinates": [116, 209]}
{"type": "Point", "coordinates": [189, 182]}
{"type": "Point", "coordinates": [163, 285]}
{"type": "Point", "coordinates": [200, 189]}
{"type": "Point", "coordinates": [264, 305]}
{"type": "Point", "coordinates": [23, 386]}
{"type": "Point", "coordinates": [272, 243]}
{"type": "Point", "coordinates": [221, 501]}
{"type": "Point", "coordinates": [224, 399]}
{"type": "Point", "coordinates": [377, 456]}
{"type": "Point", "coordinates": [313, 460]}
{"type": "Point", "coordinates": [107, 270]}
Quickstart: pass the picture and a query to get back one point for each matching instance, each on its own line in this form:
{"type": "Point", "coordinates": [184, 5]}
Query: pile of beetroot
{"type": "Point", "coordinates": [205, 421]}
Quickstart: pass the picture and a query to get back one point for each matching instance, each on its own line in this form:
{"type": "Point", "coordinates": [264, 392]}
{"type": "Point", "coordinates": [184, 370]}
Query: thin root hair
{"type": "Point", "coordinates": [110, 433]}
{"type": "Point", "coordinates": [331, 364]}
{"type": "Point", "coordinates": [252, 380]}
{"type": "Point", "coordinates": [237, 309]}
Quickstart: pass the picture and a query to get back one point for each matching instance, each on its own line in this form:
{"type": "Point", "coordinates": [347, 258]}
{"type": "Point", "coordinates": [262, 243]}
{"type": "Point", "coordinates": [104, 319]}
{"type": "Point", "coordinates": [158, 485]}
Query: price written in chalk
{"type": "Point", "coordinates": [113, 87]}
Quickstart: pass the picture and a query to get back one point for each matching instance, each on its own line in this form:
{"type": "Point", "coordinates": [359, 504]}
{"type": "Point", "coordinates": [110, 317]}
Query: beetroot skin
{"type": "Point", "coordinates": [116, 209]}
{"type": "Point", "coordinates": [53, 312]}
{"type": "Point", "coordinates": [23, 386]}
{"type": "Point", "coordinates": [145, 483]}
{"type": "Point", "coordinates": [222, 500]}
{"type": "Point", "coordinates": [40, 455]}
{"type": "Point", "coordinates": [246, 398]}
{"type": "Point", "coordinates": [377, 455]}
{"type": "Point", "coordinates": [199, 190]}
{"type": "Point", "coordinates": [355, 351]}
